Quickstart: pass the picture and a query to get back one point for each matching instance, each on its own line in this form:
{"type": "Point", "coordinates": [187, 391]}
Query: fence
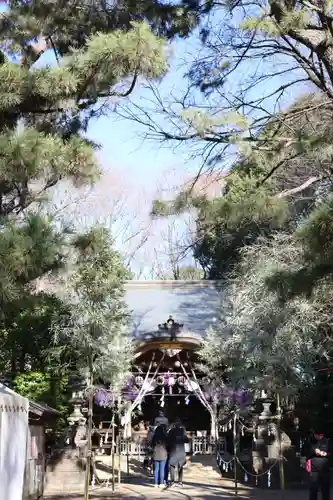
{"type": "Point", "coordinates": [199, 445]}
{"type": "Point", "coordinates": [35, 464]}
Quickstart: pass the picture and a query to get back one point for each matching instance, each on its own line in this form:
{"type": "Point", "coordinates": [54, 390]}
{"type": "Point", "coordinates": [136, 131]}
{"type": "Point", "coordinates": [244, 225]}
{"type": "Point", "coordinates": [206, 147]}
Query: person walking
{"type": "Point", "coordinates": [177, 456]}
{"type": "Point", "coordinates": [318, 455]}
{"type": "Point", "coordinates": [160, 455]}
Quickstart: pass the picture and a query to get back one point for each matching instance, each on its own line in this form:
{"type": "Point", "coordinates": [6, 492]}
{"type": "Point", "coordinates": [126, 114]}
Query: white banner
{"type": "Point", "coordinates": [13, 443]}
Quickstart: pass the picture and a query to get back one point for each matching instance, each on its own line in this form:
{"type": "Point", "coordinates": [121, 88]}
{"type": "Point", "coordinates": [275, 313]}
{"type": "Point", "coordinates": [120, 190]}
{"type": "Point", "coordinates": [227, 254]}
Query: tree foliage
{"type": "Point", "coordinates": [263, 191]}
{"type": "Point", "coordinates": [97, 335]}
{"type": "Point", "coordinates": [255, 57]}
{"type": "Point", "coordinates": [100, 51]}
{"type": "Point", "coordinates": [261, 341]}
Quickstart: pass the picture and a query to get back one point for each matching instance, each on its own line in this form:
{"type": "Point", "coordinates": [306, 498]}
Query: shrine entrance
{"type": "Point", "coordinates": [166, 376]}
{"type": "Point", "coordinates": [191, 412]}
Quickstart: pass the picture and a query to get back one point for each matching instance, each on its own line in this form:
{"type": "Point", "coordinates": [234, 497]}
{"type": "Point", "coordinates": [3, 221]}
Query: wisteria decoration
{"type": "Point", "coordinates": [103, 397]}
{"type": "Point", "coordinates": [130, 391]}
{"type": "Point", "coordinates": [246, 478]}
{"type": "Point", "coordinates": [269, 479]}
{"type": "Point", "coordinates": [222, 394]}
{"type": "Point", "coordinates": [129, 396]}
{"type": "Point", "coordinates": [240, 397]}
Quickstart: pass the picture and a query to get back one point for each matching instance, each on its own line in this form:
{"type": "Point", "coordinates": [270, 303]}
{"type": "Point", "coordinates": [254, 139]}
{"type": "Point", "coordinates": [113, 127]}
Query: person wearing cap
{"type": "Point", "coordinates": [318, 459]}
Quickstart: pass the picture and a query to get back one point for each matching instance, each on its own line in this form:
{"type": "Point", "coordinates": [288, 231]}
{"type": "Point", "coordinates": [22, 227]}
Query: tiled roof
{"type": "Point", "coordinates": [195, 304]}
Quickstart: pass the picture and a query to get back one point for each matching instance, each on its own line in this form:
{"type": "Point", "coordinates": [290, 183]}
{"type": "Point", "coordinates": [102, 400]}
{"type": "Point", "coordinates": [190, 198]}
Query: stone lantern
{"type": "Point", "coordinates": [76, 419]}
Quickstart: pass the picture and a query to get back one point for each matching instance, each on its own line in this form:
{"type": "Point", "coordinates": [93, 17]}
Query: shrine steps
{"type": "Point", "coordinates": [202, 465]}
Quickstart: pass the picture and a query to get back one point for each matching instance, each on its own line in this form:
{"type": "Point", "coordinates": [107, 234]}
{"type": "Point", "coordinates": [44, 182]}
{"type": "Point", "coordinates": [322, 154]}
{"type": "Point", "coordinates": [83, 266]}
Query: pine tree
{"type": "Point", "coordinates": [97, 334]}
{"type": "Point", "coordinates": [100, 50]}
{"type": "Point", "coordinates": [46, 110]}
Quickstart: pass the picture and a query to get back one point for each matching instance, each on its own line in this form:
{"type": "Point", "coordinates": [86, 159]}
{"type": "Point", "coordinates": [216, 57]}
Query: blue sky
{"type": "Point", "coordinates": [123, 144]}
{"type": "Point", "coordinates": [145, 163]}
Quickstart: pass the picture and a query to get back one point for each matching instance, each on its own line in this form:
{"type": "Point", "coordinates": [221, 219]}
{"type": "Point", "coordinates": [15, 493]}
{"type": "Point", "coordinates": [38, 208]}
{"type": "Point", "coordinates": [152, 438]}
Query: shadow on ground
{"type": "Point", "coordinates": [142, 489]}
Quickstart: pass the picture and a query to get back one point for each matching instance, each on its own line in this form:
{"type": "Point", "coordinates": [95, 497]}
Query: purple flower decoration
{"type": "Point", "coordinates": [103, 397]}
{"type": "Point", "coordinates": [130, 391]}
{"type": "Point", "coordinates": [223, 394]}
{"type": "Point", "coordinates": [129, 396]}
{"type": "Point", "coordinates": [241, 397]}
{"type": "Point", "coordinates": [213, 394]}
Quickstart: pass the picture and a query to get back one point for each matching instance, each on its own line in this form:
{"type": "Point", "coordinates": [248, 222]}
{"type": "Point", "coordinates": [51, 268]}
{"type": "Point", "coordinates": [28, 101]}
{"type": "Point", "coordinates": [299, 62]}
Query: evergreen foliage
{"type": "Point", "coordinates": [262, 342]}
{"type": "Point", "coordinates": [96, 338]}
{"type": "Point", "coordinates": [264, 191]}
{"type": "Point", "coordinates": [101, 50]}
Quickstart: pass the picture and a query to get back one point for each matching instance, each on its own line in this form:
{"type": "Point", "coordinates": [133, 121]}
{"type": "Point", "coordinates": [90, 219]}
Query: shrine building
{"type": "Point", "coordinates": [169, 321]}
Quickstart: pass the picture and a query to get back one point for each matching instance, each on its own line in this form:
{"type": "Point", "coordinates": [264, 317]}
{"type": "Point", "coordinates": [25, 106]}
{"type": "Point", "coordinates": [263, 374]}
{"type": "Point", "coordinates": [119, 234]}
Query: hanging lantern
{"type": "Point", "coordinates": [171, 381]}
{"type": "Point", "coordinates": [191, 385]}
{"type": "Point", "coordinates": [139, 380]}
{"type": "Point", "coordinates": [181, 380]}
{"type": "Point", "coordinates": [160, 380]}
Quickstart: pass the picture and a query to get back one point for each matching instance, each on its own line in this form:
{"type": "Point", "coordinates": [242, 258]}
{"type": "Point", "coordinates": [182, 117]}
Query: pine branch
{"type": "Point", "coordinates": [299, 189]}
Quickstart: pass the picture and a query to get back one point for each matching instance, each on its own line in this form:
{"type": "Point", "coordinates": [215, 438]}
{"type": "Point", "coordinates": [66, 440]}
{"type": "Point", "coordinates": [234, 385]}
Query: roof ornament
{"type": "Point", "coordinates": [171, 326]}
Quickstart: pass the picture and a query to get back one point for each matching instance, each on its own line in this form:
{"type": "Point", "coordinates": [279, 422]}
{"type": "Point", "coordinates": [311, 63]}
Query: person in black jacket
{"type": "Point", "coordinates": [177, 456]}
{"type": "Point", "coordinates": [319, 454]}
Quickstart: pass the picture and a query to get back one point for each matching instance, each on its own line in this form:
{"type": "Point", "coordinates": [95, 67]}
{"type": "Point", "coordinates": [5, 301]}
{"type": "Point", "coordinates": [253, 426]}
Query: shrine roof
{"type": "Point", "coordinates": [195, 304]}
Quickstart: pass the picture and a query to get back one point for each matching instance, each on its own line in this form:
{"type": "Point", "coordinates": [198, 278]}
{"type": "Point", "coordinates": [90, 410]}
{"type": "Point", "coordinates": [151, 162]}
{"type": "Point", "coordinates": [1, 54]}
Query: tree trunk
{"type": "Point", "coordinates": [22, 361]}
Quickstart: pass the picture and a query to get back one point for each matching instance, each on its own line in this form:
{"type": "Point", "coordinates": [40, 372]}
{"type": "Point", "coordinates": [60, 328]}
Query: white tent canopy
{"type": "Point", "coordinates": [14, 411]}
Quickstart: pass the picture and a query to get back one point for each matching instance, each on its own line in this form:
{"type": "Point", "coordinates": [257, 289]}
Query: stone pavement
{"type": "Point", "coordinates": [142, 489]}
{"type": "Point", "coordinates": [201, 482]}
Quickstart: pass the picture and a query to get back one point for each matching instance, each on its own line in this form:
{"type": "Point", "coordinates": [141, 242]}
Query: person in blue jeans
{"type": "Point", "coordinates": [160, 455]}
